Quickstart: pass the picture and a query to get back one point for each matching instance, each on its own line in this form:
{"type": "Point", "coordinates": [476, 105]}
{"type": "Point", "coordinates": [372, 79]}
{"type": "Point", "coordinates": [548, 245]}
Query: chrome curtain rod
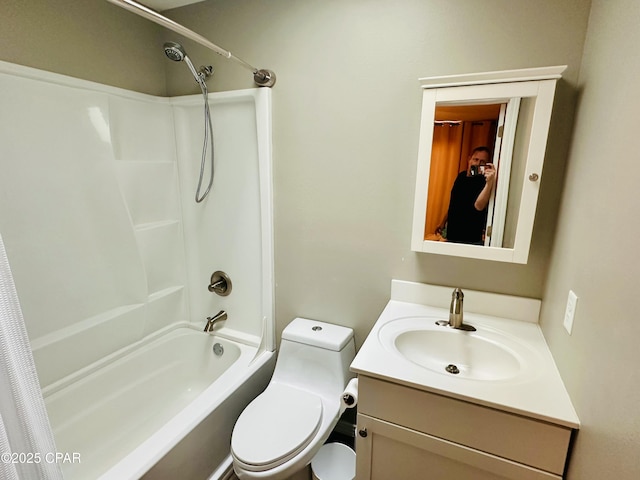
{"type": "Point", "coordinates": [262, 77]}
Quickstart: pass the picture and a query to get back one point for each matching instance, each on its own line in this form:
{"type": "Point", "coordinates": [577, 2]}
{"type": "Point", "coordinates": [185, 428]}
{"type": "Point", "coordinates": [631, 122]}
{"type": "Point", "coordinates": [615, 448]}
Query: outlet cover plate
{"type": "Point", "coordinates": [569, 314]}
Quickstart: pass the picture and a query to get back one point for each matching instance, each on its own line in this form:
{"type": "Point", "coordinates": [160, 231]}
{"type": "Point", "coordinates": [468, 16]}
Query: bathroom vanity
{"type": "Point", "coordinates": [439, 403]}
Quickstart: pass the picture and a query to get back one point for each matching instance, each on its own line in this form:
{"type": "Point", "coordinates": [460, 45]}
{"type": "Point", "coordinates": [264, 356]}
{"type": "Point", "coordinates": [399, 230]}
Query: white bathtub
{"type": "Point", "coordinates": [163, 408]}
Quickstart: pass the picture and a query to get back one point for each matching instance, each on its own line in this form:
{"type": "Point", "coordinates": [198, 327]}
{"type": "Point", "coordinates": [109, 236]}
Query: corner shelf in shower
{"type": "Point", "coordinates": [165, 292]}
{"type": "Point", "coordinates": [153, 225]}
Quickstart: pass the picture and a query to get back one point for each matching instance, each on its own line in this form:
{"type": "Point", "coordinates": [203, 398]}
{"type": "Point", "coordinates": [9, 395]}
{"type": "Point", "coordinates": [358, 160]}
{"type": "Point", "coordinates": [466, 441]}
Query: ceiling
{"type": "Point", "coordinates": [159, 5]}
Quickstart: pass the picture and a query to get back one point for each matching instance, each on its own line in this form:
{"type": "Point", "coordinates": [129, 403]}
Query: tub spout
{"type": "Point", "coordinates": [211, 321]}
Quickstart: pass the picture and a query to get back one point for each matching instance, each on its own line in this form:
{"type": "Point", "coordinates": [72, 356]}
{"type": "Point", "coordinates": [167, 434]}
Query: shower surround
{"type": "Point", "coordinates": [108, 248]}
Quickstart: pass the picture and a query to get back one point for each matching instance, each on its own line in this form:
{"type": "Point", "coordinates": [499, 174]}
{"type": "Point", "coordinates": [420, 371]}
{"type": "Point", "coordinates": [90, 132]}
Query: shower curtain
{"type": "Point", "coordinates": [27, 448]}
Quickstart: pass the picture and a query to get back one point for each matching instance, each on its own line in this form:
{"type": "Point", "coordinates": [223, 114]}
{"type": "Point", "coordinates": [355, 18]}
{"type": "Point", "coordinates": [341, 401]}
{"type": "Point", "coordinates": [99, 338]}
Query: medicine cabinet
{"type": "Point", "coordinates": [507, 111]}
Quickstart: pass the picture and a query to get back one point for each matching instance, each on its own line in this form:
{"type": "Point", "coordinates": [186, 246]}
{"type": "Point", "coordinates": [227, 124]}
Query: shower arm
{"type": "Point", "coordinates": [262, 77]}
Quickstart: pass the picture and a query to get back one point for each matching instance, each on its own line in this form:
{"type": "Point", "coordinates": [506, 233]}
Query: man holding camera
{"type": "Point", "coordinates": [470, 194]}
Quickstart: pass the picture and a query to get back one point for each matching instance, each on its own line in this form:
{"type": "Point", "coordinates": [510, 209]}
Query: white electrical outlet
{"type": "Point", "coordinates": [570, 312]}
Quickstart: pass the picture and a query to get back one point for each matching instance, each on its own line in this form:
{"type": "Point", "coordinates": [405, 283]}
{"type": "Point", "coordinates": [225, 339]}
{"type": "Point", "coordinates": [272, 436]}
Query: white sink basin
{"type": "Point", "coordinates": [485, 354]}
{"type": "Point", "coordinates": [505, 364]}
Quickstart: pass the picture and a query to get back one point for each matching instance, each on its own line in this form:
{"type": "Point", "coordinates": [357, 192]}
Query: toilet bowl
{"type": "Point", "coordinates": [282, 429]}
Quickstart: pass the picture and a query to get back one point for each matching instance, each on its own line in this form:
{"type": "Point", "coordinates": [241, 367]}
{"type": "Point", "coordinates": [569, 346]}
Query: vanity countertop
{"type": "Point", "coordinates": [539, 394]}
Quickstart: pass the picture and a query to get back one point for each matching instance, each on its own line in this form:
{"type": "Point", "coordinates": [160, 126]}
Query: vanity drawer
{"type": "Point", "coordinates": [531, 442]}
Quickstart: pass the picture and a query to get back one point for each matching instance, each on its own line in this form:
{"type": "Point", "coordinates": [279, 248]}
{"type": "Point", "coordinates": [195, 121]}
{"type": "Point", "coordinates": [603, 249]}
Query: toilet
{"type": "Point", "coordinates": [282, 429]}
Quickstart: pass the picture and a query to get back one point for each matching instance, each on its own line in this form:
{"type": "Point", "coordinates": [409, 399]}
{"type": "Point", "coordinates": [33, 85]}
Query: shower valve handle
{"type": "Point", "coordinates": [220, 284]}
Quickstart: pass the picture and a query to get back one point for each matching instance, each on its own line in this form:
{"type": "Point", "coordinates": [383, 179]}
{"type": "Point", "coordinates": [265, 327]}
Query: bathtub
{"type": "Point", "coordinates": [162, 408]}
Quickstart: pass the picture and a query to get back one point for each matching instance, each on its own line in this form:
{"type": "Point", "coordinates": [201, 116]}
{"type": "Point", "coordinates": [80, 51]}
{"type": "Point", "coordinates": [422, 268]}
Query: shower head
{"type": "Point", "coordinates": [174, 51]}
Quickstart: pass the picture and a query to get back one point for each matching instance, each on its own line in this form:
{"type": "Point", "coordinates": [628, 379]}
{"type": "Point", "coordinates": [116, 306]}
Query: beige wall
{"type": "Point", "coordinates": [346, 119]}
{"type": "Point", "coordinates": [88, 39]}
{"type": "Point", "coordinates": [596, 251]}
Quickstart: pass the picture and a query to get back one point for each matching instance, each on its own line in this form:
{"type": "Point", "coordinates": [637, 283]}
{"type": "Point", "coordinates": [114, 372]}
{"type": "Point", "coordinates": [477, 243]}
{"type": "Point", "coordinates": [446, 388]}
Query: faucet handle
{"type": "Point", "coordinates": [220, 283]}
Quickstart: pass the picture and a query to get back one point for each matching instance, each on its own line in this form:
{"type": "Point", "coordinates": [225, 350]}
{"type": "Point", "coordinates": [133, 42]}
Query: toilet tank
{"type": "Point", "coordinates": [317, 334]}
{"type": "Point", "coordinates": [315, 356]}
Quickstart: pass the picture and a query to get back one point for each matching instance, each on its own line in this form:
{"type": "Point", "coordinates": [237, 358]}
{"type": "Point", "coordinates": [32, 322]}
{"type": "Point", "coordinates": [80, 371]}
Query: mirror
{"type": "Point", "coordinates": [482, 144]}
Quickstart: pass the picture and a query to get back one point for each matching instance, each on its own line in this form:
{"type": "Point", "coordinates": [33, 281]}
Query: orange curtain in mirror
{"type": "Point", "coordinates": [445, 166]}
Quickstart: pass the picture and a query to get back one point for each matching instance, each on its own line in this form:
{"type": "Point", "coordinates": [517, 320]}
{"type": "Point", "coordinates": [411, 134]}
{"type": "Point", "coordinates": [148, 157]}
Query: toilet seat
{"type": "Point", "coordinates": [275, 427]}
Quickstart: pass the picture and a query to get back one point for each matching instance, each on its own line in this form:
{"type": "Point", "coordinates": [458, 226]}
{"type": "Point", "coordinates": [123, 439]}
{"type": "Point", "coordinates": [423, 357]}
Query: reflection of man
{"type": "Point", "coordinates": [470, 194]}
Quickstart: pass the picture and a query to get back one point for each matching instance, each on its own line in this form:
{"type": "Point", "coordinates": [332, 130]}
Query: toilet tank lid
{"type": "Point", "coordinates": [317, 334]}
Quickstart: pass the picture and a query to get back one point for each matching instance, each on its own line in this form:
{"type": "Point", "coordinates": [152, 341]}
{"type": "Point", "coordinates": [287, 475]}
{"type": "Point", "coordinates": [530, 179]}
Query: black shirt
{"type": "Point", "coordinates": [465, 224]}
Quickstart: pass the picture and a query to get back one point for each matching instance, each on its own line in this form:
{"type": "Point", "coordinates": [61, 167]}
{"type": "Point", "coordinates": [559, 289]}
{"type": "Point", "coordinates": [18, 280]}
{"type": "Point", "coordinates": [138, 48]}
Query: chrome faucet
{"type": "Point", "coordinates": [211, 321]}
{"type": "Point", "coordinates": [456, 313]}
{"type": "Point", "coordinates": [456, 309]}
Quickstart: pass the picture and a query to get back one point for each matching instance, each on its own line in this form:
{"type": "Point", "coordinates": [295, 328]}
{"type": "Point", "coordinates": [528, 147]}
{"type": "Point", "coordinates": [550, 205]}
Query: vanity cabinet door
{"type": "Point", "coordinates": [385, 450]}
{"type": "Point", "coordinates": [522, 440]}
